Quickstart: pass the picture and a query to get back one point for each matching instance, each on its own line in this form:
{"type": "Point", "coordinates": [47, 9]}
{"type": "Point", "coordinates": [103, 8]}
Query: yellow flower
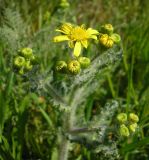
{"type": "Point", "coordinates": [77, 36]}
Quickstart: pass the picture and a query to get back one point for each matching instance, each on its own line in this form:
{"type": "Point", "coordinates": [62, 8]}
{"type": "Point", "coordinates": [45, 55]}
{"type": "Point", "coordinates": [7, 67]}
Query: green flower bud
{"type": "Point", "coordinates": [133, 127]}
{"type": "Point", "coordinates": [28, 65]}
{"type": "Point", "coordinates": [26, 52]}
{"type": "Point", "coordinates": [133, 117]}
{"type": "Point", "coordinates": [124, 131]}
{"type": "Point", "coordinates": [116, 38]}
{"type": "Point", "coordinates": [19, 61]}
{"type": "Point", "coordinates": [107, 28]}
{"type": "Point", "coordinates": [106, 41]}
{"type": "Point", "coordinates": [21, 71]}
{"type": "Point", "coordinates": [74, 67]}
{"type": "Point", "coordinates": [84, 62]}
{"type": "Point", "coordinates": [64, 4]}
{"type": "Point", "coordinates": [61, 66]}
{"type": "Point", "coordinates": [122, 117]}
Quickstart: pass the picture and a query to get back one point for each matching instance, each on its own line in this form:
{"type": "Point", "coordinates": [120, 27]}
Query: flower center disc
{"type": "Point", "coordinates": [78, 34]}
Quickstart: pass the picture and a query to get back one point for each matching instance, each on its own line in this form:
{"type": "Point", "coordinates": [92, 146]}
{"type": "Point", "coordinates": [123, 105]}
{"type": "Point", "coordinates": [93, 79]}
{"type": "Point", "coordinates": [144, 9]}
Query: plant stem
{"type": "Point", "coordinates": [64, 142]}
{"type": "Point", "coordinates": [63, 149]}
{"type": "Point", "coordinates": [68, 123]}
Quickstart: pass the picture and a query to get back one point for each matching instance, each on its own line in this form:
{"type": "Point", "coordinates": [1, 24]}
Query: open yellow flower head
{"type": "Point", "coordinates": [133, 117]}
{"type": "Point", "coordinates": [77, 36]}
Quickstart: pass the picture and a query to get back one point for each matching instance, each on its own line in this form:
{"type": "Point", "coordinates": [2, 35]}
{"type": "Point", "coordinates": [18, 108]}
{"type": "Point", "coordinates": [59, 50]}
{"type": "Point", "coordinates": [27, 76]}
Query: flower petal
{"type": "Point", "coordinates": [65, 28]}
{"type": "Point", "coordinates": [93, 37]}
{"type": "Point", "coordinates": [77, 49]}
{"type": "Point", "coordinates": [84, 43]}
{"type": "Point", "coordinates": [60, 38]}
{"type": "Point", "coordinates": [91, 31]}
{"type": "Point", "coordinates": [59, 30]}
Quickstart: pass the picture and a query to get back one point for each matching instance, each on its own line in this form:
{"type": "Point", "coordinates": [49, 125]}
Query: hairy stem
{"type": "Point", "coordinates": [63, 149]}
{"type": "Point", "coordinates": [64, 142]}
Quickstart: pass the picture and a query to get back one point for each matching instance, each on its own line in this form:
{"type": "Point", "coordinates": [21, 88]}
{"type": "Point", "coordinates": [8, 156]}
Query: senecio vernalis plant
{"type": "Point", "coordinates": [83, 78]}
{"type": "Point", "coordinates": [78, 37]}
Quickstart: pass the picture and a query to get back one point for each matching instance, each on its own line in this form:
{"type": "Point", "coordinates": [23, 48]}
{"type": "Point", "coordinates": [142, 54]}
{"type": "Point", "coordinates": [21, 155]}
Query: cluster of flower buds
{"type": "Point", "coordinates": [74, 66]}
{"type": "Point", "coordinates": [128, 124]}
{"type": "Point", "coordinates": [107, 38]}
{"type": "Point", "coordinates": [24, 61]}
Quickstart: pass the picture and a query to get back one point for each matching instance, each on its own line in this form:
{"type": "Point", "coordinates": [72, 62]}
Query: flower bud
{"type": "Point", "coordinates": [116, 38]}
{"type": "Point", "coordinates": [74, 67]}
{"type": "Point", "coordinates": [64, 4]}
{"type": "Point", "coordinates": [26, 52]}
{"type": "Point", "coordinates": [28, 65]}
{"type": "Point", "coordinates": [61, 66]}
{"type": "Point", "coordinates": [84, 62]}
{"type": "Point", "coordinates": [122, 117]}
{"type": "Point", "coordinates": [106, 41]}
{"type": "Point", "coordinates": [133, 127]}
{"type": "Point", "coordinates": [133, 117]}
{"type": "Point", "coordinates": [124, 130]}
{"type": "Point", "coordinates": [19, 61]}
{"type": "Point", "coordinates": [107, 28]}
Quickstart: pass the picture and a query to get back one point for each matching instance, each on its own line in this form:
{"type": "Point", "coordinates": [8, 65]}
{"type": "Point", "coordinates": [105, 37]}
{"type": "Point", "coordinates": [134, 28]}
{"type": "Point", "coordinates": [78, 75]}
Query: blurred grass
{"type": "Point", "coordinates": [130, 80]}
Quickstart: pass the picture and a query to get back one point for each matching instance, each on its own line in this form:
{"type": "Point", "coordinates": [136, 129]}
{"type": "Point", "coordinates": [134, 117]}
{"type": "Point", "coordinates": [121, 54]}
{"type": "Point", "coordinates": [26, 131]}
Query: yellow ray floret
{"type": "Point", "coordinates": [77, 36]}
